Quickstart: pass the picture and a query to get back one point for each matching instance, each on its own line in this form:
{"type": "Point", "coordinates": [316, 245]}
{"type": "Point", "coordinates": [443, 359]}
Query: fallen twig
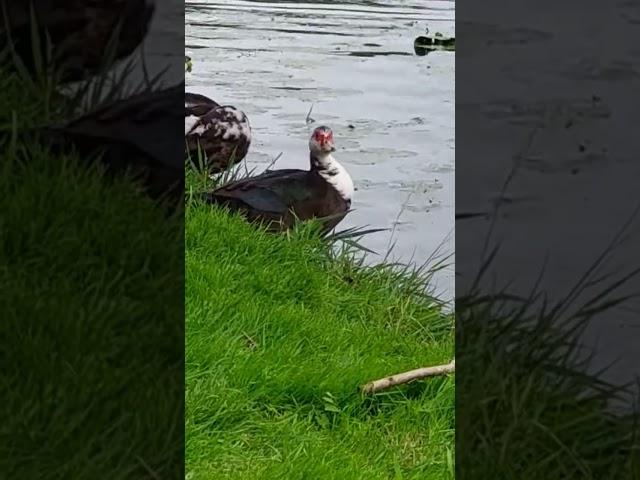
{"type": "Point", "coordinates": [405, 377]}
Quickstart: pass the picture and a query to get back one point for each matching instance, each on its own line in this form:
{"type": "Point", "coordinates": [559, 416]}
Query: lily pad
{"type": "Point", "coordinates": [422, 45]}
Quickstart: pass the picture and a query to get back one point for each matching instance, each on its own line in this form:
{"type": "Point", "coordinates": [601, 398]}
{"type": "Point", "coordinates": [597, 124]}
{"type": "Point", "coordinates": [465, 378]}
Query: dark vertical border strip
{"type": "Point", "coordinates": [92, 248]}
{"type": "Point", "coordinates": [547, 228]}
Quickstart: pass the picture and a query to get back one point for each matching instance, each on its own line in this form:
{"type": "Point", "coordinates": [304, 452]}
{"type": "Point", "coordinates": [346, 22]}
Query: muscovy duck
{"type": "Point", "coordinates": [277, 198]}
{"type": "Point", "coordinates": [222, 132]}
{"type": "Point", "coordinates": [137, 133]}
{"type": "Point", "coordinates": [79, 31]}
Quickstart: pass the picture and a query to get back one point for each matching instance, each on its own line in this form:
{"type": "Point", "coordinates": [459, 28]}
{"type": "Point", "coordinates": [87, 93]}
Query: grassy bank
{"type": "Point", "coordinates": [279, 335]}
{"type": "Point", "coordinates": [91, 350]}
{"type": "Point", "coordinates": [91, 342]}
{"type": "Point", "coordinates": [526, 408]}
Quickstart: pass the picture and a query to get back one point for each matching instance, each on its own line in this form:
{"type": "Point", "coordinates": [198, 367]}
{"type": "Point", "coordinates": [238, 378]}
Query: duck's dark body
{"type": "Point", "coordinates": [140, 133]}
{"type": "Point", "coordinates": [80, 31]}
{"type": "Point", "coordinates": [277, 198]}
{"type": "Point", "coordinates": [222, 132]}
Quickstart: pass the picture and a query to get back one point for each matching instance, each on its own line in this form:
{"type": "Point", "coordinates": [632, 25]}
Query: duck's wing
{"type": "Point", "coordinates": [281, 196]}
{"type": "Point", "coordinates": [196, 99]}
{"type": "Point", "coordinates": [273, 192]}
{"type": "Point", "coordinates": [196, 105]}
{"type": "Point", "coordinates": [196, 110]}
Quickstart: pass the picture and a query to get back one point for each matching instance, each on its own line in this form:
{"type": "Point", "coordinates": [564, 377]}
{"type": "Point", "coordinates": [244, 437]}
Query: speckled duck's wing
{"type": "Point", "coordinates": [191, 99]}
{"type": "Point", "coordinates": [199, 110]}
{"type": "Point", "coordinates": [198, 105]}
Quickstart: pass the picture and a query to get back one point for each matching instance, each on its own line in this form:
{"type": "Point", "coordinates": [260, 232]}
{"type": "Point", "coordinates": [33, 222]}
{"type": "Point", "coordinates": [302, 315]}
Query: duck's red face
{"type": "Point", "coordinates": [323, 138]}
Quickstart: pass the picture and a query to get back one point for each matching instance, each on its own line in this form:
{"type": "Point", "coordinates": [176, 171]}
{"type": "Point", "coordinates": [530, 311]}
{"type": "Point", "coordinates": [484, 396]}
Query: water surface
{"type": "Point", "coordinates": [549, 217]}
{"type": "Point", "coordinates": [392, 111]}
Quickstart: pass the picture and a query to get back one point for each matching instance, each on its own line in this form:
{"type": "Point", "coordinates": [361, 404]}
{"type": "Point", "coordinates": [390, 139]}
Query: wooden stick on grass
{"type": "Point", "coordinates": [405, 377]}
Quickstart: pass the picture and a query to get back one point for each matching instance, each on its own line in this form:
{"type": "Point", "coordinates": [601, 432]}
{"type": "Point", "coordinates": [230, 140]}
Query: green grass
{"type": "Point", "coordinates": [91, 351]}
{"type": "Point", "coordinates": [91, 342]}
{"type": "Point", "coordinates": [280, 333]}
{"type": "Point", "coordinates": [526, 408]}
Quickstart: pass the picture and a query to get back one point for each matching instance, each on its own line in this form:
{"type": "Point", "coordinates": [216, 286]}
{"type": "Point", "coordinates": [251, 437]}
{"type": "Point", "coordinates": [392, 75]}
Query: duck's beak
{"type": "Point", "coordinates": [327, 146]}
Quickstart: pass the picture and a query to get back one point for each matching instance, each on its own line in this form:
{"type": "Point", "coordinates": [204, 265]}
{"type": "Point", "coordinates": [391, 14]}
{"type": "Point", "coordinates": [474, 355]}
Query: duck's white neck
{"type": "Point", "coordinates": [334, 173]}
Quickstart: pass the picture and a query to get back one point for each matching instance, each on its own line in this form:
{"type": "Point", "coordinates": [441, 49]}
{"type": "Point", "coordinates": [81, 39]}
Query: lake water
{"type": "Point", "coordinates": [392, 112]}
{"type": "Point", "coordinates": [550, 205]}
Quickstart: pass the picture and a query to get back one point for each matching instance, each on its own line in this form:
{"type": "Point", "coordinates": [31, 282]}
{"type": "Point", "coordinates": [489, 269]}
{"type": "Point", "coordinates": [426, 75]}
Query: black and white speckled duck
{"type": "Point", "coordinates": [278, 197]}
{"type": "Point", "coordinates": [222, 132]}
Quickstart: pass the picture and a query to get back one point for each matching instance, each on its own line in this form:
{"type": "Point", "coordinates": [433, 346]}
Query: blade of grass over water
{"type": "Point", "coordinates": [529, 404]}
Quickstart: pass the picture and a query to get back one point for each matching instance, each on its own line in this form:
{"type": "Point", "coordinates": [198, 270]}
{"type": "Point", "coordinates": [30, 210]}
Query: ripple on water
{"type": "Point", "coordinates": [418, 186]}
{"type": "Point", "coordinates": [377, 156]}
